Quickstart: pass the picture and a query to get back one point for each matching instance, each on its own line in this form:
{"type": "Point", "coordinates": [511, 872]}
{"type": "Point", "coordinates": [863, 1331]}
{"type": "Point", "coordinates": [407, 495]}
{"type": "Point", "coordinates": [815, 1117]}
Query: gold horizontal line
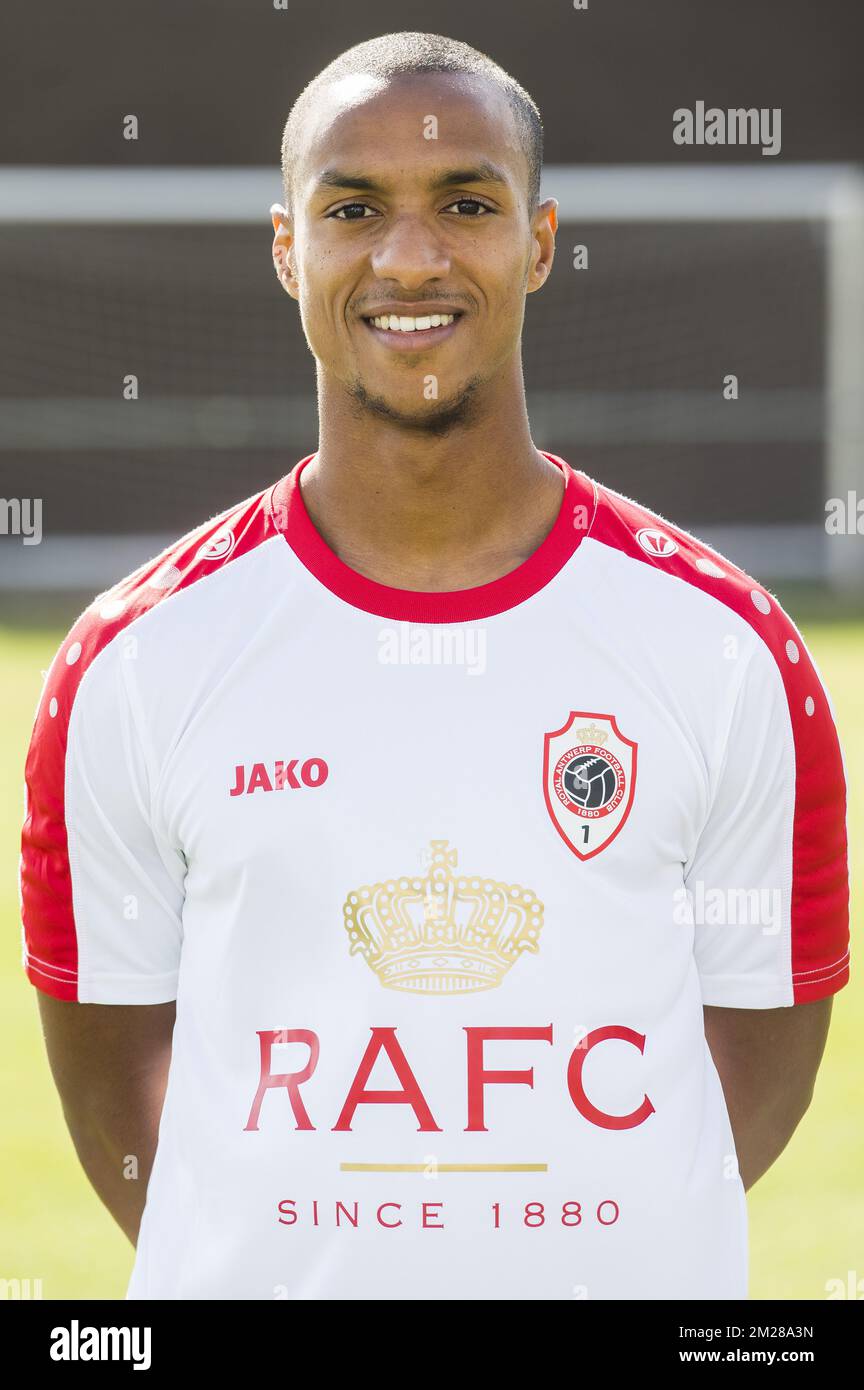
{"type": "Point", "coordinates": [443, 1167]}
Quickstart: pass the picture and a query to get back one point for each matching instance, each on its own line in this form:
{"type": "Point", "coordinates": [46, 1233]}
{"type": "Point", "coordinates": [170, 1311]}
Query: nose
{"type": "Point", "coordinates": [410, 253]}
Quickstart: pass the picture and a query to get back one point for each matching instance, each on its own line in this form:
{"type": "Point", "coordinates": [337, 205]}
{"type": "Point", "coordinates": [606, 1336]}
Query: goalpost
{"type": "Point", "coordinates": [832, 194]}
{"type": "Point", "coordinates": [831, 197]}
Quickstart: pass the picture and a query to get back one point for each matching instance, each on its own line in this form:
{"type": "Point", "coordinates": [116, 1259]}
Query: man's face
{"type": "Point", "coordinates": [377, 231]}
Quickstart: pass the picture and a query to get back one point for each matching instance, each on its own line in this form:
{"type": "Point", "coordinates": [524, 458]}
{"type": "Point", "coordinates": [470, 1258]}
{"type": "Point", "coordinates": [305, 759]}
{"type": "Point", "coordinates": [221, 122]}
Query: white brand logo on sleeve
{"type": "Point", "coordinates": [219, 547]}
{"type": "Point", "coordinates": [656, 543]}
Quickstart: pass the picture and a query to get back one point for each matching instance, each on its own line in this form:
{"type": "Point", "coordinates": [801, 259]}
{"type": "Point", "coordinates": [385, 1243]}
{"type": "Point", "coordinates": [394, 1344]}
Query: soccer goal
{"type": "Point", "coordinates": [699, 346]}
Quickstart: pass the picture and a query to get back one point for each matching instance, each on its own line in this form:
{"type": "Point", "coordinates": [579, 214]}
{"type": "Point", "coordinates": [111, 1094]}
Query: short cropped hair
{"type": "Point", "coordinates": [406, 54]}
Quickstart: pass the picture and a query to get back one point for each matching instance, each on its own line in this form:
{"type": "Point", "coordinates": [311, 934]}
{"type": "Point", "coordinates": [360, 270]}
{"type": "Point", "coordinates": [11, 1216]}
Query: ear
{"type": "Point", "coordinates": [283, 242]}
{"type": "Point", "coordinates": [544, 226]}
{"type": "Point", "coordinates": [278, 216]}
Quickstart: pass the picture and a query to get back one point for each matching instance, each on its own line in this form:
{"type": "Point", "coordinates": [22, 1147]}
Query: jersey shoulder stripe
{"type": "Point", "coordinates": [820, 879]}
{"type": "Point", "coordinates": [50, 942]}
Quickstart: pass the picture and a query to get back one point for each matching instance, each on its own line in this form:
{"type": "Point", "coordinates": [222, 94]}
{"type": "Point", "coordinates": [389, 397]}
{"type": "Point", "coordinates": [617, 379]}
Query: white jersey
{"type": "Point", "coordinates": [440, 883]}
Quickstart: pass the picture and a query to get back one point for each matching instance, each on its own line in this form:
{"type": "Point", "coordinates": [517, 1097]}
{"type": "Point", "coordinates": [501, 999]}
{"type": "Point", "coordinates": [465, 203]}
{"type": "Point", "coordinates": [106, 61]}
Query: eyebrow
{"type": "Point", "coordinates": [483, 172]}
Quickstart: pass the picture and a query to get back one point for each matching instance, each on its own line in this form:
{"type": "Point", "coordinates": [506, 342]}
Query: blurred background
{"type": "Point", "coordinates": [151, 258]}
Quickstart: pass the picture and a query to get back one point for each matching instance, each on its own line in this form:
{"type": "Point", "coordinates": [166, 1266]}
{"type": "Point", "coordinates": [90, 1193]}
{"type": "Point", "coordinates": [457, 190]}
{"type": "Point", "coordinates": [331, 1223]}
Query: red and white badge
{"type": "Point", "coordinates": [589, 777]}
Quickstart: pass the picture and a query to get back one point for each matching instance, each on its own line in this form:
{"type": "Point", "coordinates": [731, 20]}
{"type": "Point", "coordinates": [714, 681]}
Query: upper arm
{"type": "Point", "coordinates": [770, 1056]}
{"type": "Point", "coordinates": [107, 1059]}
{"type": "Point", "coordinates": [768, 877]}
{"type": "Point", "coordinates": [101, 887]}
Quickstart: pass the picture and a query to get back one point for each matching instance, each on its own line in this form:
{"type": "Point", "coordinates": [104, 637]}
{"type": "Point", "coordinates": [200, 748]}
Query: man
{"type": "Point", "coordinates": [419, 819]}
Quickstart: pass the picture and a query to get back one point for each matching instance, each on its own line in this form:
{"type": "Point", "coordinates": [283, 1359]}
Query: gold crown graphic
{"type": "Point", "coordinates": [440, 934]}
{"type": "Point", "coordinates": [592, 734]}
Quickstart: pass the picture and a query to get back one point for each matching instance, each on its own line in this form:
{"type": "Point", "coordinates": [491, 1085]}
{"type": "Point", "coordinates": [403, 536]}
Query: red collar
{"type": "Point", "coordinates": [290, 517]}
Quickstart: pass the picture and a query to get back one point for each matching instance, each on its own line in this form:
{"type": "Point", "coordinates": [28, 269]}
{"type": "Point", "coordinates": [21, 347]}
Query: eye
{"type": "Point", "coordinates": [473, 202]}
{"type": "Point", "coordinates": [347, 207]}
{"type": "Point", "coordinates": [348, 212]}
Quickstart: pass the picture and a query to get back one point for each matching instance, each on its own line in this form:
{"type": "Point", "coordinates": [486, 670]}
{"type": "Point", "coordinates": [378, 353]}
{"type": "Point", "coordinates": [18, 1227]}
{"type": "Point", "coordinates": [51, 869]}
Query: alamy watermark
{"type": "Point", "coordinates": [409, 644]}
{"type": "Point", "coordinates": [735, 126]}
{"type": "Point", "coordinates": [845, 515]}
{"type": "Point", "coordinates": [728, 907]}
{"type": "Point", "coordinates": [20, 1289]}
{"type": "Point", "coordinates": [21, 516]}
{"type": "Point", "coordinates": [77, 1343]}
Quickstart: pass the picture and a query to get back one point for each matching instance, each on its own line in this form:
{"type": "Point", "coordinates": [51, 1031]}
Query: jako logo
{"type": "Point", "coordinates": [312, 773]}
{"type": "Point", "coordinates": [737, 126]}
{"type": "Point", "coordinates": [75, 1343]}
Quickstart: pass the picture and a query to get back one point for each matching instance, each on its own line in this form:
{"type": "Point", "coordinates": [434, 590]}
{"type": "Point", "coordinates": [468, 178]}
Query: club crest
{"type": "Point", "coordinates": [589, 777]}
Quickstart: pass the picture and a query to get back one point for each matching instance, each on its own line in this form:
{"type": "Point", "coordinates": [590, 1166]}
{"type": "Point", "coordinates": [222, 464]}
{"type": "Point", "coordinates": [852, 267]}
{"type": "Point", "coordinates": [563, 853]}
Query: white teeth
{"type": "Point", "coordinates": [400, 324]}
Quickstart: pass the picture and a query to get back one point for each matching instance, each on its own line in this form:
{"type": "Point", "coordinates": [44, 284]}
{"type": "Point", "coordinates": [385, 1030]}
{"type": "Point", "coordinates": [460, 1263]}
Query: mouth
{"type": "Point", "coordinates": [409, 333]}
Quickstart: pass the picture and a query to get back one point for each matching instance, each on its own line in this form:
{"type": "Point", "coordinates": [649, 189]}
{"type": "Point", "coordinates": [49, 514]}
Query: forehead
{"type": "Point", "coordinates": [379, 127]}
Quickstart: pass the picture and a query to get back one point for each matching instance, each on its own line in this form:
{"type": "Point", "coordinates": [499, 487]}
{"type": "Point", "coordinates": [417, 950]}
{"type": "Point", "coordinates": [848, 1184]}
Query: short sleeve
{"type": "Point", "coordinates": [101, 889]}
{"type": "Point", "coordinates": [767, 882]}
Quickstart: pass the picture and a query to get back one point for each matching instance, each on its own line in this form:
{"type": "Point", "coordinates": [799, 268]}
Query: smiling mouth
{"type": "Point", "coordinates": [397, 323]}
{"type": "Point", "coordinates": [406, 333]}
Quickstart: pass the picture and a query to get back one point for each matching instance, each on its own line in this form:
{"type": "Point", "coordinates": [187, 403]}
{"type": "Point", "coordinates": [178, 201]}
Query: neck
{"type": "Point", "coordinates": [434, 512]}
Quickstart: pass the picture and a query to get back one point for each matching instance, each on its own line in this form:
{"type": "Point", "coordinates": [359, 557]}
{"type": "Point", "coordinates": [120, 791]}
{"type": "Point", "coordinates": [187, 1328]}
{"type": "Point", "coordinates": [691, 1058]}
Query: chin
{"type": "Point", "coordinates": [433, 417]}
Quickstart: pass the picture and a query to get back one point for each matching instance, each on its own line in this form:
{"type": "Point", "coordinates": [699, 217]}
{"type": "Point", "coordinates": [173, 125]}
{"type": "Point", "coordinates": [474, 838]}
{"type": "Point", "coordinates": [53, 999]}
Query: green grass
{"type": "Point", "coordinates": [52, 1225]}
{"type": "Point", "coordinates": [806, 1214]}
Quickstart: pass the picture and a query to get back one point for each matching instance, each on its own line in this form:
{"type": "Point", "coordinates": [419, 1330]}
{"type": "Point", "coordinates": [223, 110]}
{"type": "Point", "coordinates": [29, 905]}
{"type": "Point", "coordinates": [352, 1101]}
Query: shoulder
{"type": "Point", "coordinates": [785, 716]}
{"type": "Point", "coordinates": [782, 779]}
{"type": "Point", "coordinates": [187, 566]}
{"type": "Point", "coordinates": [648, 544]}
